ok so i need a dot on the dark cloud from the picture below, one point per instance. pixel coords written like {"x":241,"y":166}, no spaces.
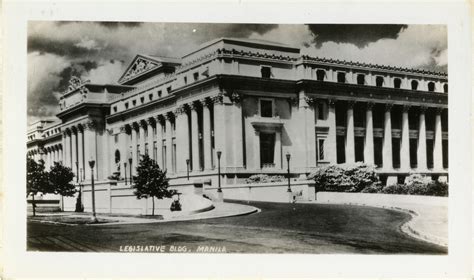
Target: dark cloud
{"x":76,"y":69}
{"x":109,"y":24}
{"x":61,"y":48}
{"x":209,"y":31}
{"x":357,"y":34}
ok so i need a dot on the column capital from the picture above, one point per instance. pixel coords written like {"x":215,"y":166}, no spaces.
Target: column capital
{"x":388,"y":107}
{"x":406,"y":108}
{"x":170,"y":116}
{"x":90,"y":125}
{"x":332,"y":102}
{"x":135,"y":126}
{"x":311,"y":101}
{"x":151,"y":121}
{"x":206,"y":102}
{"x":182,"y":109}
{"x":350,"y":104}
{"x":439,"y":110}
{"x":370,"y":105}
{"x":143,"y":124}
{"x":218,"y":99}
{"x":235,"y":97}
{"x":195,"y":105}
{"x":293,"y":101}
{"x":160,"y":119}
{"x":122,"y":129}
{"x":423,"y":109}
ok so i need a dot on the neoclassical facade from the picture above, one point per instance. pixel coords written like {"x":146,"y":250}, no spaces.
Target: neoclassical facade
{"x":255,"y":102}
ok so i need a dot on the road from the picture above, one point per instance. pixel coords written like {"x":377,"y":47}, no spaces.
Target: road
{"x":279,"y":228}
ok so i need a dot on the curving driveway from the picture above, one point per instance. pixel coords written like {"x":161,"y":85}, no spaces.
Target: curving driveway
{"x":278,"y":228}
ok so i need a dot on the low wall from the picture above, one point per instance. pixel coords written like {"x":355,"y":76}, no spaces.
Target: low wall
{"x":377,"y":199}
{"x":120,"y":198}
{"x":272,"y":192}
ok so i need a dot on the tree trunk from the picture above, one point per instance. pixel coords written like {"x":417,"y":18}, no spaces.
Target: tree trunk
{"x":62,"y":203}
{"x":33,"y":205}
{"x":153,"y":206}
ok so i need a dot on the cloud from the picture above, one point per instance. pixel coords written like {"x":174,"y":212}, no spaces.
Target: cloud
{"x":88,"y":44}
{"x":414,"y":46}
{"x":293,"y":35}
{"x":107,"y":72}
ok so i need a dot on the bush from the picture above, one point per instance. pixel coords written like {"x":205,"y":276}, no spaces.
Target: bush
{"x":374,"y":188}
{"x":345,"y":178}
{"x":417,"y":184}
{"x":264,"y":178}
{"x":395,"y":189}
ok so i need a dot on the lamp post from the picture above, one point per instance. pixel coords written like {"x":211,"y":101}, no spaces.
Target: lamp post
{"x":125,"y":170}
{"x":130,"y":164}
{"x":77,"y":172}
{"x":219,"y":189}
{"x":290,"y":195}
{"x":187,"y":167}
{"x":91,"y":164}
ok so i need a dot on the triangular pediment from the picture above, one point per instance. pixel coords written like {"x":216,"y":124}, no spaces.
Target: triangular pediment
{"x":139,"y":66}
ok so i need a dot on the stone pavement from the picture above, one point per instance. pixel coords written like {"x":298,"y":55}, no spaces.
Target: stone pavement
{"x":220,"y":210}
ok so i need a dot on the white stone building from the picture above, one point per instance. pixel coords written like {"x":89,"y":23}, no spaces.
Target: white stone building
{"x":256,"y":102}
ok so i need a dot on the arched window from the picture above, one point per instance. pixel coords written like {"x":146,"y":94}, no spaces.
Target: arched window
{"x":341,"y":77}
{"x":431,"y":86}
{"x":361,"y":79}
{"x":414,"y":85}
{"x":379,"y":81}
{"x":320,"y":74}
{"x":397,"y":83}
{"x":445,"y":88}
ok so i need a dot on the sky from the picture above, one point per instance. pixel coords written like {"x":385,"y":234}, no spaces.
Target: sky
{"x":100,"y":51}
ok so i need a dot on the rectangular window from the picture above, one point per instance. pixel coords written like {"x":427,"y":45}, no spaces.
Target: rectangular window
{"x":378,"y":148}
{"x":185,"y":79}
{"x":159,"y":93}
{"x":341,"y":148}
{"x":163,"y":155}
{"x":266,"y":71}
{"x":321,"y":149}
{"x":266,"y":108}
{"x":168,"y":89}
{"x":359,"y":148}
{"x":134,"y":102}
{"x":267,"y":149}
{"x":142,"y":99}
{"x":126,"y":105}
{"x":196,"y":76}
{"x":396,"y":152}
{"x":150,"y":96}
{"x":115,"y":109}
{"x":321,"y":115}
{"x":413,"y":152}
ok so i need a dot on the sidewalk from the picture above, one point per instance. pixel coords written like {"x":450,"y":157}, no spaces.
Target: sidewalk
{"x":220,"y":210}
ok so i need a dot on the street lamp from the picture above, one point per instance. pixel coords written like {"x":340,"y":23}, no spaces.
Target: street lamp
{"x":92,"y":164}
{"x":219,"y":189}
{"x":290,"y":195}
{"x":130,"y":164}
{"x":125,"y":170}
{"x":187,"y":167}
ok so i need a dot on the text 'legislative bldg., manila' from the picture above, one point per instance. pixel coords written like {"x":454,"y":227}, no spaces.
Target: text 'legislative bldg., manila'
{"x":255,"y":102}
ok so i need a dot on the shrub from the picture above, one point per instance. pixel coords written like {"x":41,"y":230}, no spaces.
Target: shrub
{"x":374,"y":188}
{"x":345,"y":177}
{"x":264,"y":178}
{"x":395,"y":189}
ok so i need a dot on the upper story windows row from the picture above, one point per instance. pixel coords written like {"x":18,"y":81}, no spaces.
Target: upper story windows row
{"x":383,"y":81}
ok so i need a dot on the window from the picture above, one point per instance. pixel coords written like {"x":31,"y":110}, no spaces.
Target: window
{"x":185,"y":79}
{"x":126,"y":105}
{"x":266,"y":71}
{"x":142,"y":99}
{"x":116,"y":138}
{"x":321,"y":113}
{"x":134,"y":102}
{"x":163,"y":155}
{"x":115,"y":109}
{"x":414,"y":85}
{"x":361,"y":79}
{"x":321,"y":149}
{"x":445,"y":88}
{"x":397,"y":83}
{"x":341,"y":77}
{"x":168,"y":89}
{"x":267,"y":148}
{"x":266,"y":108}
{"x":379,"y":81}
{"x":431,"y":86}
{"x":150,"y":96}
{"x":196,"y":76}
{"x":159,"y":93}
{"x":320,"y":74}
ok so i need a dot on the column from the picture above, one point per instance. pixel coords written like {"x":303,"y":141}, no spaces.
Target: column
{"x":80,"y":149}
{"x":141,"y":130}
{"x":206,"y":134}
{"x":182,"y":139}
{"x":277,"y":153}
{"x":169,"y":143}
{"x":195,"y":138}
{"x":438,"y":143}
{"x":405,"y":141}
{"x":159,"y":141}
{"x":256,"y":149}
{"x":350,"y":140}
{"x":135,"y":128}
{"x":387,"y":162}
{"x":74,"y":150}
{"x":331,"y":152}
{"x":237,"y":133}
{"x":151,"y":136}
{"x":90,"y":147}
{"x":369,"y":135}
{"x":219,"y":131}
{"x":67,"y":149}
{"x":421,"y":151}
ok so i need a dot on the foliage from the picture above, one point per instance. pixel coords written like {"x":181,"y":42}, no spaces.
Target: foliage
{"x":344,"y":177}
{"x":151,"y":181}
{"x":115,"y":176}
{"x":36,"y":179}
{"x":264,"y":178}
{"x":60,"y":178}
{"x":415,"y":184}
{"x":374,"y":188}
{"x":395,"y":189}
{"x":175,"y":206}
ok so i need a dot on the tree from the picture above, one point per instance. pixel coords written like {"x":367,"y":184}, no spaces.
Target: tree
{"x":36,"y":180}
{"x":60,"y":178}
{"x":151,"y":181}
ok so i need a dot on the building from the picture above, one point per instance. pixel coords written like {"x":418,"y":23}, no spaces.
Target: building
{"x":255,"y":101}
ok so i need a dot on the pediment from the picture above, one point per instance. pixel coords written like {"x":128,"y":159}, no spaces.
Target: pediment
{"x":139,"y":66}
